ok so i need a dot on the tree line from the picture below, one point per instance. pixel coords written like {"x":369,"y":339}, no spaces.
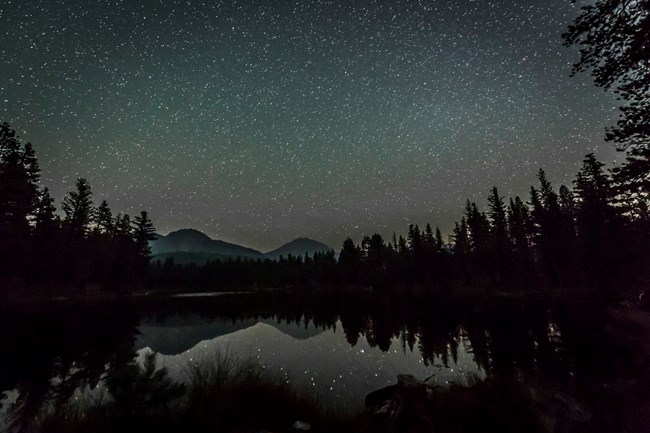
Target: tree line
{"x":595,"y":233}
{"x":592,"y":235}
{"x":589,"y":235}
{"x":85,"y":245}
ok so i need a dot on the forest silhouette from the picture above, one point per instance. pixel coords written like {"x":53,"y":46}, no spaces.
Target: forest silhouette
{"x":592,"y":235}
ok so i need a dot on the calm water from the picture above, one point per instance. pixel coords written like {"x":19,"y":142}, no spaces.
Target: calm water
{"x":317,"y":359}
{"x":577,"y":353}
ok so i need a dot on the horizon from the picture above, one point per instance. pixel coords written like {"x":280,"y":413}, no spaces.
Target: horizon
{"x":247,"y":246}
{"x":255,"y":121}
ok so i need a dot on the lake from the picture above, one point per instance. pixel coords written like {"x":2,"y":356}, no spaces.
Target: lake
{"x":581,"y":360}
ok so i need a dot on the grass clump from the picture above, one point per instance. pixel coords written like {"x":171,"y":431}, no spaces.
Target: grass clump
{"x":221,"y":394}
{"x":228,"y":394}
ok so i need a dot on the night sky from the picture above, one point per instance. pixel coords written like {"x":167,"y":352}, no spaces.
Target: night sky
{"x":261,"y":121}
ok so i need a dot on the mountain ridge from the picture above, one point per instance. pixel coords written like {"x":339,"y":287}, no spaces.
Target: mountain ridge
{"x":191,"y":244}
{"x":298,"y":247}
{"x":194,"y":241}
{"x":177,"y":335}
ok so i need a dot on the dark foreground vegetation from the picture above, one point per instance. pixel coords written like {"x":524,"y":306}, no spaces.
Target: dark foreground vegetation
{"x":225,"y":395}
{"x":238,"y":397}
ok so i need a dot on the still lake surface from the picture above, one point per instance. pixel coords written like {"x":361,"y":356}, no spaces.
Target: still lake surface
{"x":576,"y":355}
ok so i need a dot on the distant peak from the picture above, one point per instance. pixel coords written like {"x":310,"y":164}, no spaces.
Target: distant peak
{"x":299,"y":246}
{"x":193,"y":241}
{"x":301,"y":239}
{"x":188,"y":230}
{"x":189,"y":233}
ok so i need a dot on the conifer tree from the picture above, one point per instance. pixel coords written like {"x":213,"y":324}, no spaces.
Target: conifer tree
{"x":566,"y":201}
{"x":437,"y":241}
{"x":520,"y":232}
{"x":45,"y":221}
{"x":122,"y":227}
{"x":143,"y":232}
{"x":43,"y":264}
{"x":78,"y":208}
{"x":613,"y":39}
{"x":461,"y":249}
{"x":501,"y":247}
{"x":548,"y":196}
{"x":31,"y":165}
{"x":593,"y":188}
{"x":104,"y":219}
{"x":632,"y":186}
{"x":375,"y":256}
{"x":18,"y":199}
{"x":479,"y":229}
{"x":542,"y":235}
{"x":349,"y":262}
{"x":519,"y":224}
{"x":18,"y":190}
{"x":427,"y":236}
{"x":402,"y":246}
{"x":596,"y":219}
{"x":498,"y":218}
{"x":415,"y":240}
{"x":555,"y":235}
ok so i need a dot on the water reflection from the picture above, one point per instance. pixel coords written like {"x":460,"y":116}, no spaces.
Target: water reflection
{"x":50,"y":352}
{"x":339,"y":349}
{"x":316,"y":359}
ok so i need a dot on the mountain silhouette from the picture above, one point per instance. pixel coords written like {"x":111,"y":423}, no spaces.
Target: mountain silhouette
{"x":177,"y":334}
{"x":193,"y":241}
{"x":298,"y":247}
{"x":193,"y":246}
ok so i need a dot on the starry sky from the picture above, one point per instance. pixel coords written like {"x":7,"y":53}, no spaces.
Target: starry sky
{"x":260,"y":121}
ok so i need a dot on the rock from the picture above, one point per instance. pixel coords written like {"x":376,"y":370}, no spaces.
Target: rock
{"x":301,"y":426}
{"x":401,"y":408}
{"x":412,"y":404}
{"x":378,"y":398}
